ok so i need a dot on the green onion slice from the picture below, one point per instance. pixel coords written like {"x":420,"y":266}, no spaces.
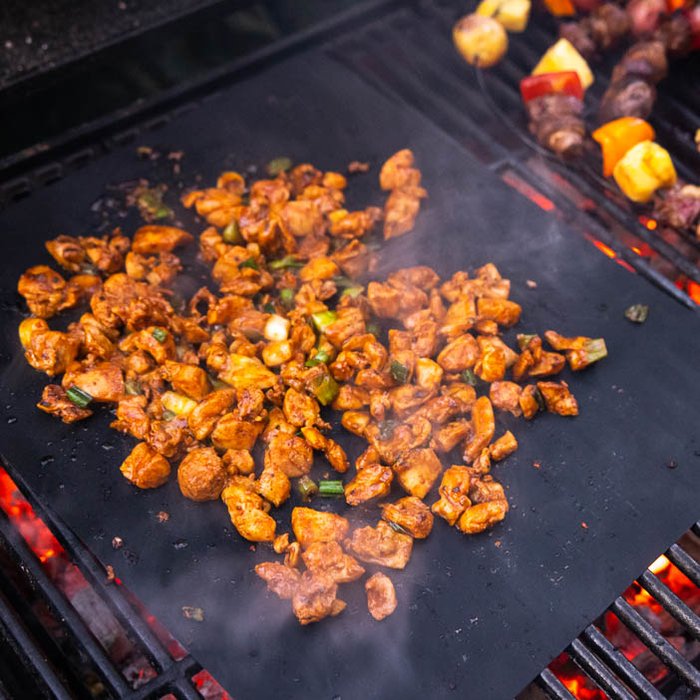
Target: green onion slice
{"x":637,"y":313}
{"x":250,"y":262}
{"x":469,"y":377}
{"x":78,"y":396}
{"x":323,"y":319}
{"x":331,"y":489}
{"x":399,"y":372}
{"x":160,"y":335}
{"x":232,"y":233}
{"x":307,"y":487}
{"x":279,"y":165}
{"x":318,"y":358}
{"x":284,"y":263}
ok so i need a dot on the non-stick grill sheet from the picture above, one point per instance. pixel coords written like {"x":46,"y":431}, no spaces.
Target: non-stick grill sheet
{"x":594,"y":499}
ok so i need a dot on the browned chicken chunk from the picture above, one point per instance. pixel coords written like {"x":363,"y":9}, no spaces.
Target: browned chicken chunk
{"x":328,"y":558}
{"x":315,"y":598}
{"x":454,"y":493}
{"x":374,"y":481}
{"x":411,"y":514}
{"x":145,"y":468}
{"x":281,"y":580}
{"x":311,"y":525}
{"x":381,"y":596}
{"x":382,"y":545}
{"x":201,"y":475}
{"x":417,"y":470}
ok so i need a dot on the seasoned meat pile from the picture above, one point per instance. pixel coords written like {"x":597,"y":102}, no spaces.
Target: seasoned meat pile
{"x":232,"y":391}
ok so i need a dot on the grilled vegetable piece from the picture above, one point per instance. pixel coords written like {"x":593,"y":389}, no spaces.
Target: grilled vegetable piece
{"x":311,"y":525}
{"x":480,"y":40}
{"x":381,"y":545}
{"x":512,"y":14}
{"x":411,"y":514}
{"x":563,"y":83}
{"x":580,"y":351}
{"x":560,"y":8}
{"x":145,"y":468}
{"x":562,"y":56}
{"x":617,"y":137}
{"x":381,"y":596}
{"x":644,"y":169}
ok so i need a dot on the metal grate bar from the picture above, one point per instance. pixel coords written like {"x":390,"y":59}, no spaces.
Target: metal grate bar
{"x":684,"y":562}
{"x":671,"y":602}
{"x":597,"y":670}
{"x":656,"y":643}
{"x":16,"y":545}
{"x":597,"y":642}
{"x":24,"y":644}
{"x":553,"y":686}
{"x":171,"y":679}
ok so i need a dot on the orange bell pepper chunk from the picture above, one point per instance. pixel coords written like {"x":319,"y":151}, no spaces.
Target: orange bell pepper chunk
{"x":560,"y":8}
{"x":617,"y":137}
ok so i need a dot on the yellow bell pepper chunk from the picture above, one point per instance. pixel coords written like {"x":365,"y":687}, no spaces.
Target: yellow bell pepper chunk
{"x":512,"y":14}
{"x":562,"y":57}
{"x":643,"y":169}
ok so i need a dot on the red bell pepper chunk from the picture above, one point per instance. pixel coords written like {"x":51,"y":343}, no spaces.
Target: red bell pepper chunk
{"x":564,"y":83}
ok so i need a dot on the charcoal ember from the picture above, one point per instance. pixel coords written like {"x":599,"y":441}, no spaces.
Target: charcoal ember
{"x":679,"y":206}
{"x":629,"y":97}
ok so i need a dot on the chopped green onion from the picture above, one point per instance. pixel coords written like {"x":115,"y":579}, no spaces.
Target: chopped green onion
{"x":192,"y":613}
{"x":168,"y":415}
{"x":250,"y":262}
{"x":160,"y":335}
{"x":278,"y":165}
{"x":284,"y":263}
{"x":374,"y":328}
{"x":151,"y":204}
{"x":323,"y":319}
{"x":343,"y":282}
{"x":524,"y":340}
{"x":318,"y":358}
{"x":595,"y":350}
{"x":637,"y":313}
{"x":307,"y":487}
{"x":232,"y":233}
{"x":132,"y":387}
{"x":78,"y":396}
{"x":399,"y":372}
{"x":386,"y":429}
{"x":469,"y":377}
{"x":330,"y":488}
{"x":269,"y":308}
{"x":540,"y":400}
{"x":287,"y":297}
{"x":353,"y":292}
{"x":397,"y":528}
{"x":325,"y":389}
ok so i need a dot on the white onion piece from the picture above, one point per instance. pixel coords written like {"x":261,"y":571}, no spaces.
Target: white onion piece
{"x":276,"y":328}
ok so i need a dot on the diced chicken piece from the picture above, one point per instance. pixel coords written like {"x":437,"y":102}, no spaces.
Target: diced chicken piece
{"x":450,"y":435}
{"x":55,"y":401}
{"x":381,"y":596}
{"x":503,"y":312}
{"x":351,"y":398}
{"x":167,"y":438}
{"x":187,"y":379}
{"x":238,"y":462}
{"x":300,"y":409}
{"x":328,"y":558}
{"x":349,"y":323}
{"x":504,"y":446}
{"x":382,"y":545}
{"x":208,"y":411}
{"x":398,"y":171}
{"x":419,"y":276}
{"x":246,"y":509}
{"x":274,"y":485}
{"x":464,"y":394}
{"x":417,"y":471}
{"x":428,"y":374}
{"x":580,"y":351}
{"x":321,"y":268}
{"x":289,"y":454}
{"x":460,"y":354}
{"x":281,"y":580}
{"x":528,"y":401}
{"x":506,"y":397}
{"x":482,"y":516}
{"x":67,"y":252}
{"x":438,"y":410}
{"x":401,"y":210}
{"x":335,"y":454}
{"x":232,"y":433}
{"x":356,"y":421}
{"x":302,"y":218}
{"x":485,"y":489}
{"x":484,"y":426}
{"x":353,"y":259}
{"x":161,"y":350}
{"x":374,"y":481}
{"x":145,"y":468}
{"x":243,"y":372}
{"x":105,"y":382}
{"x":52,"y":352}
{"x":491,"y":365}
{"x":250,"y":403}
{"x":201,"y":475}
{"x":159,"y":239}
{"x":311,"y":525}
{"x":368,"y":457}
{"x":132,"y":418}
{"x":43,"y":289}
{"x":454,"y":493}
{"x":384,"y":299}
{"x":459,"y":318}
{"x":315,"y":598}
{"x":482,"y":463}
{"x":411,"y":514}
{"x":355,"y":224}
{"x":558,"y":398}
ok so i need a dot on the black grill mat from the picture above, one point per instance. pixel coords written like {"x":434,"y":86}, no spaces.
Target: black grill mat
{"x":475,"y":619}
